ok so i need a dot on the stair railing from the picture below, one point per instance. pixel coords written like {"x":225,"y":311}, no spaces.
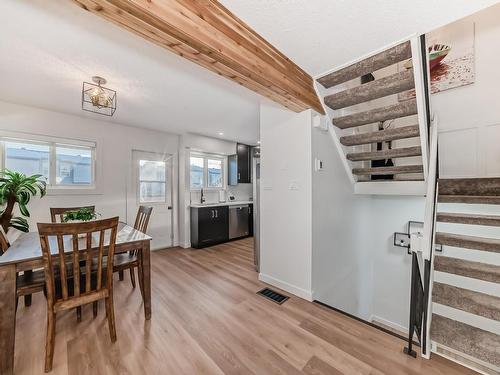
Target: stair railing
{"x":422,"y":249}
{"x":429,"y":236}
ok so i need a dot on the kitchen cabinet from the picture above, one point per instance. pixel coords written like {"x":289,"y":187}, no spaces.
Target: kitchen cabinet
{"x":216,"y":224}
{"x":240,"y":165}
{"x":209,"y":225}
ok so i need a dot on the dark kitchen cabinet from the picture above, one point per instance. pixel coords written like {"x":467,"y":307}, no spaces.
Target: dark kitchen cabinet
{"x":244,"y":167}
{"x":209,"y":225}
{"x":240,"y":165}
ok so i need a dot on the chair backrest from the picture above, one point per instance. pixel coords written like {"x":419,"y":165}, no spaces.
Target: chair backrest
{"x":66,"y":254}
{"x":4,"y":242}
{"x":58,"y":212}
{"x":142,"y":218}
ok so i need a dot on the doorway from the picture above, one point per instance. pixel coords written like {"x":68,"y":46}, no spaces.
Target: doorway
{"x":151,"y":184}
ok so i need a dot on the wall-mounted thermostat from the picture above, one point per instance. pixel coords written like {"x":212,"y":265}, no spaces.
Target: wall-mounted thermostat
{"x":318,"y":165}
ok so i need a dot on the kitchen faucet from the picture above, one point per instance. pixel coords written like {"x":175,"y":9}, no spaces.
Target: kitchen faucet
{"x":202,"y":198}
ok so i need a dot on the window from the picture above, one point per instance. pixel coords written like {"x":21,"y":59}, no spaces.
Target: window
{"x":206,"y":171}
{"x":62,"y":164}
{"x":152,"y":181}
{"x":214,"y":169}
{"x":73,"y":165}
{"x":27,"y":158}
{"x":197,"y":172}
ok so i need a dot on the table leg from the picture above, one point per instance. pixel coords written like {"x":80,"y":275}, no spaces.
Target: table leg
{"x":146,"y":274}
{"x":7,"y":318}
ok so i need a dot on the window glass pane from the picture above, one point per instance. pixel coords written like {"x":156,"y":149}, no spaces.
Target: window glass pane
{"x":196,"y":173}
{"x":152,"y":181}
{"x":152,"y":192}
{"x":151,"y":170}
{"x":27,"y":158}
{"x":214,"y":172}
{"x":73,"y":166}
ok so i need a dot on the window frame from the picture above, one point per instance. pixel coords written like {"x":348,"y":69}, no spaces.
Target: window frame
{"x":206,"y":157}
{"x":53,"y":142}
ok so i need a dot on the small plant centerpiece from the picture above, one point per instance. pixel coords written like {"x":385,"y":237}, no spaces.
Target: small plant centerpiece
{"x":17,"y":188}
{"x":80,"y":215}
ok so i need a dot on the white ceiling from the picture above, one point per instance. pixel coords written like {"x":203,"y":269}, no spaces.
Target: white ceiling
{"x":48,"y":48}
{"x":320,"y":35}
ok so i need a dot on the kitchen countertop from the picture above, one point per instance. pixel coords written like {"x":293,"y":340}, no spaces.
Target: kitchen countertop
{"x":228,"y":203}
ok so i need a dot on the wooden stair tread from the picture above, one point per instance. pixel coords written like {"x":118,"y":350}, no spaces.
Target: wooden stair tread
{"x":466,"y":339}
{"x":489,"y":186}
{"x":467,"y":268}
{"x":469,"y":199}
{"x":369,"y":65}
{"x":467,"y":300}
{"x":388,"y":170}
{"x":474,"y":219}
{"x":385,"y":154}
{"x":390,"y":112}
{"x":390,"y":85}
{"x":410,"y":131}
{"x":468,"y":242}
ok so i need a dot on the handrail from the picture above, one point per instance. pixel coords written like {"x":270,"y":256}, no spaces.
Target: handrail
{"x":430,"y":202}
{"x":421,"y":284}
{"x":429,"y":238}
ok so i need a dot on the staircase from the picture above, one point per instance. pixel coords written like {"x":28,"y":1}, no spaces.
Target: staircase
{"x":381,"y":138}
{"x":466,"y":289}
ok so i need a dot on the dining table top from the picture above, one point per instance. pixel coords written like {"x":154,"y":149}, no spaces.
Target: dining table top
{"x":27,"y":246}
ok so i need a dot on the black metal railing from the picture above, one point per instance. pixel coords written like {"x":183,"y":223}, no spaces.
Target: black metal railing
{"x":416,"y":306}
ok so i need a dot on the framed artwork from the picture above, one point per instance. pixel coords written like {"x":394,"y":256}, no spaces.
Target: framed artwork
{"x":451,"y":57}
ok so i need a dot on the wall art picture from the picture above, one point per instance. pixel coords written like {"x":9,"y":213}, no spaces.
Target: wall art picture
{"x":451,"y":57}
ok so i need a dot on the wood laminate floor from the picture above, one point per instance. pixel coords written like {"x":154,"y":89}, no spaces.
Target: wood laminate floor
{"x":207,"y":319}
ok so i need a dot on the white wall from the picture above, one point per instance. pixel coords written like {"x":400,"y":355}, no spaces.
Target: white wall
{"x":469,"y":116}
{"x":114,"y":155}
{"x":356,"y":268}
{"x":342,"y":257}
{"x":285,"y":199}
{"x":194,"y":142}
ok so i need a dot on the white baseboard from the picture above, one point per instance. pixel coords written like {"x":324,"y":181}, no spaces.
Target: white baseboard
{"x":295,"y":290}
{"x":385,"y":322}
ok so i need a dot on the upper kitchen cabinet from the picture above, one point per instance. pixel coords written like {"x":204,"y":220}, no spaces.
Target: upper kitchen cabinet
{"x":240,"y":167}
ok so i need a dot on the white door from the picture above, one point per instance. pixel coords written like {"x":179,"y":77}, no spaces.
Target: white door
{"x":151,"y":185}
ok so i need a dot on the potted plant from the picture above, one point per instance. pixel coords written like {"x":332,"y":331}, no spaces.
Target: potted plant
{"x":18,"y":188}
{"x":80,"y":215}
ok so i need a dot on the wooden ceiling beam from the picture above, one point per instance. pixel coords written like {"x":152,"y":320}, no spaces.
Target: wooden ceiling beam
{"x":209,"y":35}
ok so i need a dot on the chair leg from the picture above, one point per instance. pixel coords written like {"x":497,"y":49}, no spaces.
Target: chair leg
{"x":132,"y":277}
{"x":50,"y":341}
{"x":27,"y":300}
{"x":95,"y":308}
{"x":79,"y":314}
{"x":120,"y":275}
{"x":141,"y":279}
{"x":110,"y":310}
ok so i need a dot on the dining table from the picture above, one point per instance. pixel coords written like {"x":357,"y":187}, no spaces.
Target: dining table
{"x":26,"y":254}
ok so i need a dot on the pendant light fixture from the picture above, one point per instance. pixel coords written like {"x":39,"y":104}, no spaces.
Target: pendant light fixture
{"x":98,"y":99}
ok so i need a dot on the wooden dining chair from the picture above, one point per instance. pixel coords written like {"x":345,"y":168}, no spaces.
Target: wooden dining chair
{"x":28,"y":282}
{"x":133,"y":258}
{"x":57,"y":213}
{"x":68,"y":283}
{"x":57,"y":216}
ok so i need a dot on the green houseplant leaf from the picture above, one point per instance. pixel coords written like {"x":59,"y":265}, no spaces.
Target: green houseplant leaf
{"x":17,"y":188}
